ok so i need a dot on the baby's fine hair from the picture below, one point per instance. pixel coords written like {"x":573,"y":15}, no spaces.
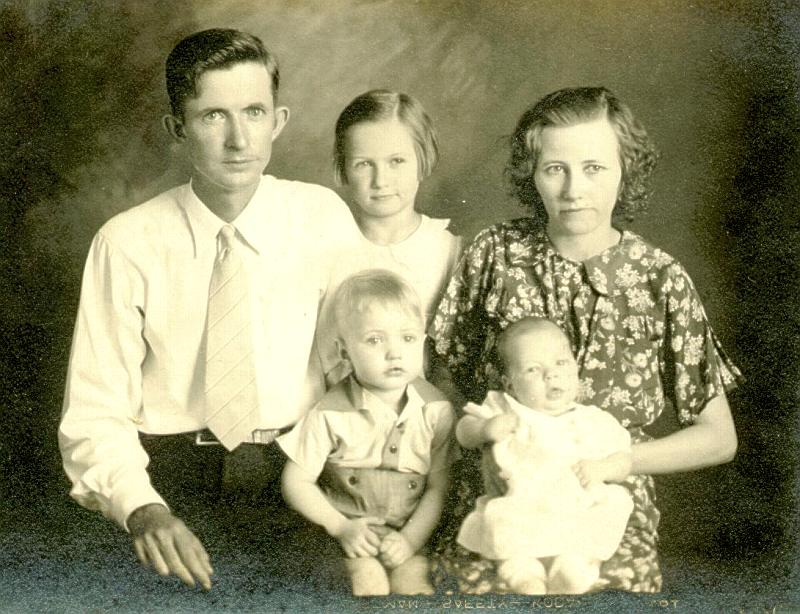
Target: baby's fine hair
{"x":208,"y":50}
{"x":567,"y":107}
{"x":378,"y":105}
{"x":529,"y":324}
{"x":362,"y":290}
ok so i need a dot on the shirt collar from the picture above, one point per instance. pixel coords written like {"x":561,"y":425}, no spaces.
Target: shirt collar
{"x":252,"y":223}
{"x":364,"y":400}
{"x":609,"y":273}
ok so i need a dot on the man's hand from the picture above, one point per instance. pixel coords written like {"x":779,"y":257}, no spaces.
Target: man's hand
{"x":356,"y":537}
{"x":395,"y":549}
{"x":498,"y":428}
{"x":165,"y":542}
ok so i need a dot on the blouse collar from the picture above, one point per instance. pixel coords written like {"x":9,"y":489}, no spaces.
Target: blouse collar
{"x":609,"y":273}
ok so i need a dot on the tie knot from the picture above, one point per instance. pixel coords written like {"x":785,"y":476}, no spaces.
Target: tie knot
{"x":226,"y":235}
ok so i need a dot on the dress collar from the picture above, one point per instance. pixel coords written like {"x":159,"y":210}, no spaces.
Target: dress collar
{"x":609,"y":273}
{"x":252,"y":223}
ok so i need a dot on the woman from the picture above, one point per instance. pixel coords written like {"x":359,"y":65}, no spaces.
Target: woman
{"x":580,"y":162}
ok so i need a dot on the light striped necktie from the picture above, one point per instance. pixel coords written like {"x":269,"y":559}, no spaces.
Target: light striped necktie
{"x":230,"y":385}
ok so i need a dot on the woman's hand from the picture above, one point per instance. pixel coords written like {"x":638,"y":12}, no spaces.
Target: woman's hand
{"x":395,"y":550}
{"x":356,"y":536}
{"x":498,"y":428}
{"x":613,"y":468}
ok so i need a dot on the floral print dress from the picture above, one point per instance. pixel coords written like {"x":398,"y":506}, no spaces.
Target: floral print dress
{"x":639,"y":332}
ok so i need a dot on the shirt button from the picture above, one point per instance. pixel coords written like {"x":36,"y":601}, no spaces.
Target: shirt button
{"x":392,"y":448}
{"x":352,"y":480}
{"x":412,"y":484}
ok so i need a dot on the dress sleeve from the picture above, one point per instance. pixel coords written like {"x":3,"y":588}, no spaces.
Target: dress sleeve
{"x":696,"y":368}
{"x":98,"y":434}
{"x":460,"y":326}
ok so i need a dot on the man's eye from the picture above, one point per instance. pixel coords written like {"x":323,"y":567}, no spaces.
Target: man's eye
{"x":214,"y":116}
{"x":256,"y":112}
{"x":409,"y":338}
{"x":374,"y":340}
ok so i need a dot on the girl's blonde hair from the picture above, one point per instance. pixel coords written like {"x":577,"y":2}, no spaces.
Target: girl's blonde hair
{"x":378,"y":105}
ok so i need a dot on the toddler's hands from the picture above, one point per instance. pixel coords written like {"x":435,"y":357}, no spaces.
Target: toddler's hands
{"x":395,"y":549}
{"x":357,"y":538}
{"x":500,"y":427}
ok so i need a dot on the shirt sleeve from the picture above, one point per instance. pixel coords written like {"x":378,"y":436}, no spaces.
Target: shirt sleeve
{"x":460,"y":329}
{"x":309,"y":443}
{"x":98,"y":435}
{"x":696,"y":368}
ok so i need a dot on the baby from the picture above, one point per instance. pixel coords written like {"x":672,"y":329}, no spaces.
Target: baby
{"x":369,"y":462}
{"x":548,"y":516}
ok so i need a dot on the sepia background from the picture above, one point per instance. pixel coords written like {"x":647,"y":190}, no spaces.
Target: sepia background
{"x":714,"y":82}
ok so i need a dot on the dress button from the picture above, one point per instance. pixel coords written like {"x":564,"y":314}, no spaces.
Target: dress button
{"x":392,"y":448}
{"x":352,"y":480}
{"x":412,"y":484}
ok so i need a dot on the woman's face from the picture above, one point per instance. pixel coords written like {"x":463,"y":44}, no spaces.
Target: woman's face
{"x":578,"y":176}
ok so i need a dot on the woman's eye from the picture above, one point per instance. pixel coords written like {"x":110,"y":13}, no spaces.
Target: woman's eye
{"x":373,"y":340}
{"x":409,"y":338}
{"x":398,"y":161}
{"x":554,"y":169}
{"x":362,"y":164}
{"x":593,"y":169}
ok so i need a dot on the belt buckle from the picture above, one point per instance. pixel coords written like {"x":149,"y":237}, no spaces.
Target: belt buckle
{"x":264,"y":436}
{"x":206,"y":438}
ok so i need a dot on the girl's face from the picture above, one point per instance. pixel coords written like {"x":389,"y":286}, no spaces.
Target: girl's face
{"x":578,"y":175}
{"x":381,"y":168}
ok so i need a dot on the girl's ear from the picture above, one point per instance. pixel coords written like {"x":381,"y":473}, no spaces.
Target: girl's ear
{"x":341,"y":350}
{"x":174,"y":127}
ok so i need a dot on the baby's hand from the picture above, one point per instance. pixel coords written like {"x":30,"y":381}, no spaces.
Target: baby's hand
{"x":395,"y":549}
{"x":357,"y":538}
{"x":613,"y":468}
{"x":498,"y":428}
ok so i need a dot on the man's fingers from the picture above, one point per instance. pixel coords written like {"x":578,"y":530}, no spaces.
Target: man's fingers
{"x":175,"y":562}
{"x":141,"y":553}
{"x":196,"y":561}
{"x":153,"y":551}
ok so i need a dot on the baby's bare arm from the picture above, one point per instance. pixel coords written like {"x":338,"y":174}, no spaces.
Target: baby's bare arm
{"x":473,"y":431}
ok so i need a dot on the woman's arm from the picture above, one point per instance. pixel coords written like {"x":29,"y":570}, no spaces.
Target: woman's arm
{"x":711,"y":440}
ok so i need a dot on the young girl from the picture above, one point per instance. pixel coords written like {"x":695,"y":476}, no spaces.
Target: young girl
{"x":369,"y":462}
{"x":580,"y":165}
{"x":385,"y":145}
{"x":551,"y":512}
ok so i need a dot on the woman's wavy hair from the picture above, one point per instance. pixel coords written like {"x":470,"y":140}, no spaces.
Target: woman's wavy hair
{"x":567,"y":107}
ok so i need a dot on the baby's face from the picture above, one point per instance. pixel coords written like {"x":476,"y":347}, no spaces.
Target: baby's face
{"x":384,"y":345}
{"x":541,"y":372}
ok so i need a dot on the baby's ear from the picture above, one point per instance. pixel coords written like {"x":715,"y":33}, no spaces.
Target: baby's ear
{"x":507,"y":387}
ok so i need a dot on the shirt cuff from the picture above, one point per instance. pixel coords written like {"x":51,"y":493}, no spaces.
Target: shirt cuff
{"x":131,"y":499}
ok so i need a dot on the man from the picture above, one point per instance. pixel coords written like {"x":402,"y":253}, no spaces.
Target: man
{"x":198,"y":307}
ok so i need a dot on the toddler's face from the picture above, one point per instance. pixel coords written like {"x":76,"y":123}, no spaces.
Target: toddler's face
{"x":381,"y":168}
{"x":541,"y":372}
{"x":384,"y":345}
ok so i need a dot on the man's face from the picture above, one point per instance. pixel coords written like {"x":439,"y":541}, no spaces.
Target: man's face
{"x":228,"y":128}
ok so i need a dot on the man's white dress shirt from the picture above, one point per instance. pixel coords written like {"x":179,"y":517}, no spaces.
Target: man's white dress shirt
{"x":138,"y":350}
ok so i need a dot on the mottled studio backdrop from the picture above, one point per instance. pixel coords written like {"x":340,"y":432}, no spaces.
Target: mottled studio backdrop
{"x":715,"y":83}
